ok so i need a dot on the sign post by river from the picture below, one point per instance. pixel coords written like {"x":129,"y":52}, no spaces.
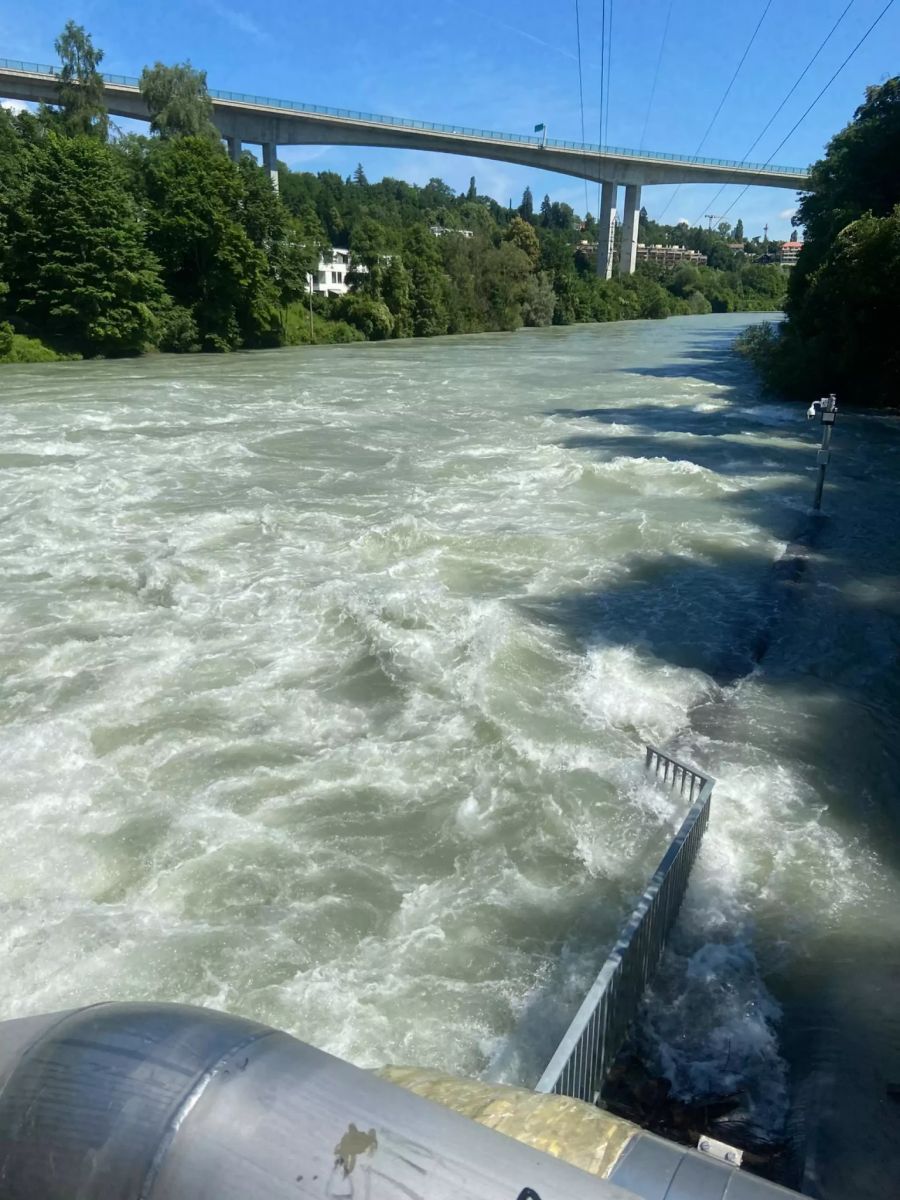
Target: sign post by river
{"x":827,"y":407}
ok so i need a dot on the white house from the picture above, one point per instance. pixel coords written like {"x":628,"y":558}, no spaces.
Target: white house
{"x":331,"y":274}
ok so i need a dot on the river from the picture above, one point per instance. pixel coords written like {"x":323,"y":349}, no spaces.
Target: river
{"x":326,"y":674}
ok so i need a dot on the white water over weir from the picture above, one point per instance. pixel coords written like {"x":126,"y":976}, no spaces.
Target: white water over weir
{"x":326,"y":675}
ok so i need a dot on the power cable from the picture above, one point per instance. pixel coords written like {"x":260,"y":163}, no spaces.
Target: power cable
{"x":787,"y":97}
{"x":662,"y":46}
{"x":727,"y":92}
{"x":602,"y":86}
{"x":809,"y":109}
{"x":581,"y":102}
{"x":609,"y":40}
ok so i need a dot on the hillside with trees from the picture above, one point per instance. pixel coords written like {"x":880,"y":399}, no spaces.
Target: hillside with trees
{"x":843,"y":306}
{"x":115,"y":244}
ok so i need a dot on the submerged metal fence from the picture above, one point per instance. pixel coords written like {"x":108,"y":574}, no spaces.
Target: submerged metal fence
{"x":598,"y":1029}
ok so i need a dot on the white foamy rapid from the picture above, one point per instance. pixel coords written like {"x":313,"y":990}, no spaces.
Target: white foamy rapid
{"x":326,"y":675}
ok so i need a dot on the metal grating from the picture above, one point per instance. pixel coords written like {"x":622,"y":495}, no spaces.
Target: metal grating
{"x":598,"y":1030}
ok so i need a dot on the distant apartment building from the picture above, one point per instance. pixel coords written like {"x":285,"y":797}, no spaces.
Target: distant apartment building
{"x":670,"y":256}
{"x":788,"y":253}
{"x":441,"y":230}
{"x":330,"y":277}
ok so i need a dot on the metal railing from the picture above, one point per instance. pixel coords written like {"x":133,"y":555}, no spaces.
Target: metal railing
{"x":595,"y":1036}
{"x":348,"y":114}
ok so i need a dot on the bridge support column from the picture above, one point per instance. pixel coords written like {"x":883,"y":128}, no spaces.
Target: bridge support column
{"x":270,"y":162}
{"x":234,"y":148}
{"x":606,"y":228}
{"x":628,"y":251}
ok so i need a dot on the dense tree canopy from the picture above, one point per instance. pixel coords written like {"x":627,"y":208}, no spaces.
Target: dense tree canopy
{"x":178,"y":101}
{"x":843,"y":301}
{"x":78,"y":266}
{"x":82,"y":107}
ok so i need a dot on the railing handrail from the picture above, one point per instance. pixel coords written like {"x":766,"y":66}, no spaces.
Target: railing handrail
{"x":528,"y":139}
{"x":595,"y":1035}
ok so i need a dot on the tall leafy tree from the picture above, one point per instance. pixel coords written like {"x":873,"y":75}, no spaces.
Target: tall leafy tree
{"x":211,"y":266}
{"x":79,"y":269}
{"x":523,"y":235}
{"x":178,"y":101}
{"x":82,"y":103}
{"x":841,"y":305}
{"x":526,"y":208}
{"x":739,"y":230}
{"x":430,"y":315}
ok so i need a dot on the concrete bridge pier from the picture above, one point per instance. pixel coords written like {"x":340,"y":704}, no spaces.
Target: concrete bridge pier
{"x":606,"y":229}
{"x":270,"y":162}
{"x":628,"y":249}
{"x":234,"y":148}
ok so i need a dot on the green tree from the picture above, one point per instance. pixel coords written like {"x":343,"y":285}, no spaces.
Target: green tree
{"x":526,"y":208}
{"x":178,"y":101}
{"x":739,"y":230}
{"x":841,"y":302}
{"x":359,"y":176}
{"x":428,"y":284}
{"x":502,"y":286}
{"x":472,"y":193}
{"x":82,"y":103}
{"x":538,"y":300}
{"x":211,"y":266}
{"x":523,"y":235}
{"x":397,"y":295}
{"x":80,"y":272}
{"x":12,"y":165}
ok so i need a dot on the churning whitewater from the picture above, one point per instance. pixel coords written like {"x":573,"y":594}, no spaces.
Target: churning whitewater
{"x":327,"y":673}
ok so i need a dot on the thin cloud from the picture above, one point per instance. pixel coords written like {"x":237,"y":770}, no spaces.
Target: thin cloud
{"x":787,"y":213}
{"x":14,"y":106}
{"x":531,"y":37}
{"x":238,"y":20}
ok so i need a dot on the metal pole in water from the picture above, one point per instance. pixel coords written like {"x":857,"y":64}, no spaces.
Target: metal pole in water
{"x":827,"y":408}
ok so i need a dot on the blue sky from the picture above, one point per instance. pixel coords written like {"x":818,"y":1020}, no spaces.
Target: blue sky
{"x":507,"y":64}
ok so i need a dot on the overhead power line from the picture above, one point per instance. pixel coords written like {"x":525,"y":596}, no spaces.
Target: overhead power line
{"x":725,"y":95}
{"x":813,"y":104}
{"x":609,"y":40}
{"x":602,"y":88}
{"x":659,"y":57}
{"x":581,"y":99}
{"x":787,"y":97}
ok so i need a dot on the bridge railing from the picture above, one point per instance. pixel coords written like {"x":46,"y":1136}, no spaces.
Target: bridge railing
{"x":348,"y":114}
{"x":595,"y":1036}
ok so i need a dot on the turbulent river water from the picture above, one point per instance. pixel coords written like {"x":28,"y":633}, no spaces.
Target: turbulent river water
{"x":326,"y":675}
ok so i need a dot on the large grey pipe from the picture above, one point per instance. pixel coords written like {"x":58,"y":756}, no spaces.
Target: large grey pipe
{"x":168,"y":1102}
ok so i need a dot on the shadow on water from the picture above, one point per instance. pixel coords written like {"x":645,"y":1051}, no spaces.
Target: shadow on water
{"x":819,"y":627}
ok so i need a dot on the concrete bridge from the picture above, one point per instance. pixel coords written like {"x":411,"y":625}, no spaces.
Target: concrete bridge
{"x":262,"y":121}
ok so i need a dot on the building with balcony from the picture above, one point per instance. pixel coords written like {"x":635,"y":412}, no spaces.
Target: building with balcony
{"x":670,"y":256}
{"x":788,"y":253}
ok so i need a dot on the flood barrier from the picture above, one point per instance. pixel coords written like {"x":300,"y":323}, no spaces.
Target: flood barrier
{"x":595,"y":1036}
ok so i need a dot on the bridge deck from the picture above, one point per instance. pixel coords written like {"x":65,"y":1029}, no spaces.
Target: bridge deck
{"x":257,"y":119}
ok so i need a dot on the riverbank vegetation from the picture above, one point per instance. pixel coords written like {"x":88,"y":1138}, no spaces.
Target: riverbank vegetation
{"x":114,"y":244}
{"x":843,"y":305}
